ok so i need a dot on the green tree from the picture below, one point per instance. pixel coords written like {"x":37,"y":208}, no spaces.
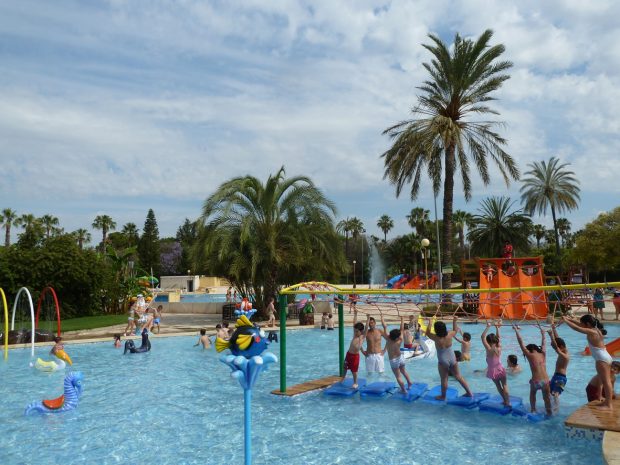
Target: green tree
{"x":106,"y":224}
{"x":260,"y":235}
{"x":131,"y":232}
{"x":549,"y":185}
{"x":149,"y":252}
{"x":496,"y":223}
{"x":596,"y":246}
{"x":385,"y":224}
{"x":48,"y":222}
{"x":462,"y":220}
{"x":418,"y":219}
{"x":564,"y":229}
{"x":444,"y":134}
{"x":8,"y":218}
{"x":82,"y":236}
{"x":187,"y":234}
{"x":344,"y":227}
{"x":539,"y":232}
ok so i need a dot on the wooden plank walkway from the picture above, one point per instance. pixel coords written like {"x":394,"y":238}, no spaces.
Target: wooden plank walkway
{"x":591,"y":417}
{"x":307,"y":386}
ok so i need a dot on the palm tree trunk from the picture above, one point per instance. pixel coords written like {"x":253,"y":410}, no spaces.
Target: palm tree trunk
{"x":448,"y":200}
{"x":7,"y":235}
{"x":555,"y":232}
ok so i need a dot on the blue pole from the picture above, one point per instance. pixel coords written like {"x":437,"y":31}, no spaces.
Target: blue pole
{"x":247,"y":422}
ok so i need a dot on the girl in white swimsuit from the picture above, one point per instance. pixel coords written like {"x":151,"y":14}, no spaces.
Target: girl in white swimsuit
{"x":594,"y":331}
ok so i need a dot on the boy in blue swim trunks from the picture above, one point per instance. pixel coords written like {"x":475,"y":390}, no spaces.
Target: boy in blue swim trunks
{"x":558,"y":380}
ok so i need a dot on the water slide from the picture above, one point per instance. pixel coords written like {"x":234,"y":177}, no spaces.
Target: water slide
{"x":613,"y":348}
{"x":524,"y":272}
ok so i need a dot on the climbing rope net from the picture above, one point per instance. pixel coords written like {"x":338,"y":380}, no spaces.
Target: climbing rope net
{"x":533,"y":303}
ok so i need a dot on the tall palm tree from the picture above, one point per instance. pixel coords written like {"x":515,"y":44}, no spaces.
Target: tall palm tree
{"x":496,"y":223}
{"x":444,"y":131}
{"x":105,"y":223}
{"x":9,"y":218}
{"x":130,"y":230}
{"x":385,"y":224}
{"x":550,"y":185}
{"x":563,"y":229}
{"x":418,"y":219}
{"x":462,"y":219}
{"x":539,"y":233}
{"x":258,"y":235}
{"x":344,"y":227}
{"x":82,"y":236}
{"x":48,"y":222}
{"x":26,"y":221}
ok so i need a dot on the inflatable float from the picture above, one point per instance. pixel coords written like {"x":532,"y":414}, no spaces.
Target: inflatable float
{"x":68,"y":401}
{"x":427,"y":350}
{"x":50,"y":366}
{"x":145,"y":347}
{"x":344,"y":388}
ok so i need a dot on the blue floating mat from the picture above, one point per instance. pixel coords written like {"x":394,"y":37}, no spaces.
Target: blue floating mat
{"x":495,"y":404}
{"x":524,"y":411}
{"x":377,"y":389}
{"x":413,"y":393}
{"x":469,"y":402}
{"x":429,"y":397}
{"x":344,"y":388}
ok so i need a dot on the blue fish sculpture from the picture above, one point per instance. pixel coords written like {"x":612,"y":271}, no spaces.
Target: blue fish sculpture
{"x":247,"y":341}
{"x":68,"y":401}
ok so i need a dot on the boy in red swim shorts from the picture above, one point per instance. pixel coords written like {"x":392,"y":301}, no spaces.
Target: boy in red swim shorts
{"x":352,"y":359}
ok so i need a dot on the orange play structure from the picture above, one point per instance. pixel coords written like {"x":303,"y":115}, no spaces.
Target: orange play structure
{"x":613,"y":348}
{"x":499,"y":273}
{"x":416,"y":283}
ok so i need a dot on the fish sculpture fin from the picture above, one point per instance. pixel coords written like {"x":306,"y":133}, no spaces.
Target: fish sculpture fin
{"x":244,"y":341}
{"x":62,"y":355}
{"x":243,"y":321}
{"x":221,"y":344}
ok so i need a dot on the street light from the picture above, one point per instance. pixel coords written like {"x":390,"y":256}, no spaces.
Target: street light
{"x":354,"y":262}
{"x":425,"y":243}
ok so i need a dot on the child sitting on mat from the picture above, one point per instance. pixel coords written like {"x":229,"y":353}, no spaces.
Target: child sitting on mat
{"x":594,"y":390}
{"x":397,"y":361}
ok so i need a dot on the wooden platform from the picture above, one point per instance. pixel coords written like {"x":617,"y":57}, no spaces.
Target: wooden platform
{"x":308,"y":386}
{"x":591,"y":417}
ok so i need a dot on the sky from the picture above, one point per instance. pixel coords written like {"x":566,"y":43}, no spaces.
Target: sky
{"x":114,"y":107}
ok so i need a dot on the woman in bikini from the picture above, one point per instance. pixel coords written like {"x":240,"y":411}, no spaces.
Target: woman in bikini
{"x":594,"y":331}
{"x":446,"y":359}
{"x":537,"y":357}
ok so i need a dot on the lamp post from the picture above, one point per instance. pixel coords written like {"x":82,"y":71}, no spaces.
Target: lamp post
{"x":354,"y":262}
{"x":425,"y":243}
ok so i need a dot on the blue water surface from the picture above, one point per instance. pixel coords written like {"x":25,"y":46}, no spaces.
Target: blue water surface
{"x":178,"y":405}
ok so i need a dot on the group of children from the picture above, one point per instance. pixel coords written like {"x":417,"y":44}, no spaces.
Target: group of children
{"x":600,"y":387}
{"x":146,"y":317}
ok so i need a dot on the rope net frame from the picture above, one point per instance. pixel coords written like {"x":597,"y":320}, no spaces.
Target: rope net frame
{"x":447,"y":303}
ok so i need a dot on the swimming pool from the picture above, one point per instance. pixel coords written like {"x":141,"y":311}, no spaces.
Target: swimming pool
{"x":177,"y":405}
{"x":194,"y":298}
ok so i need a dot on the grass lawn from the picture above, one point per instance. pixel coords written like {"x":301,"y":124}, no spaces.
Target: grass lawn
{"x":90,"y":322}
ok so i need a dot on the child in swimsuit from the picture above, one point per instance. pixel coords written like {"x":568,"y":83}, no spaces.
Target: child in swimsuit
{"x":495,"y":370}
{"x":117,"y":340}
{"x":536,"y":356}
{"x":407,"y":337}
{"x":157,"y":317}
{"x":352,"y":359}
{"x":324,"y":320}
{"x":513,"y":367}
{"x":203,"y":340}
{"x":397,"y":361}
{"x":558,"y":380}
{"x":594,"y":331}
{"x":465,"y":346}
{"x":445,"y":356}
{"x":594,"y":390}
{"x":330,"y":322}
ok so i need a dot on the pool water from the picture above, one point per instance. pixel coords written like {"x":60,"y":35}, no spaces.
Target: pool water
{"x":178,"y":405}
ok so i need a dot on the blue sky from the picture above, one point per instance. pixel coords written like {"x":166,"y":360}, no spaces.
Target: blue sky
{"x":119,"y":106}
